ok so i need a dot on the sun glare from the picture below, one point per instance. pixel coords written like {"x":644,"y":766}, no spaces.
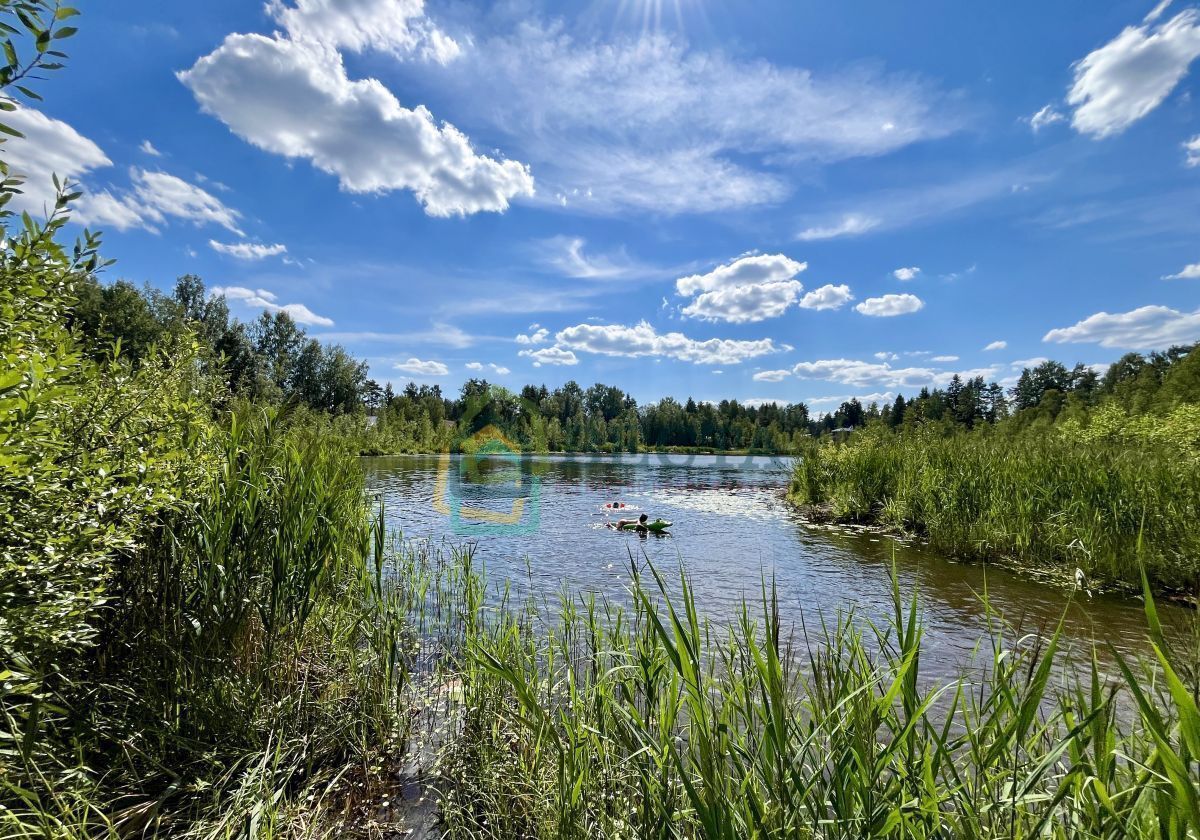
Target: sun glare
{"x":655,"y":15}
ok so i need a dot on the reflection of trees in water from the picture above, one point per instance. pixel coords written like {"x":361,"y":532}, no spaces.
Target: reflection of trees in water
{"x":817,"y":570}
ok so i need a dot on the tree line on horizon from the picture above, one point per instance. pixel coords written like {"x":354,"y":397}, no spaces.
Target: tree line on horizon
{"x":272,"y":359}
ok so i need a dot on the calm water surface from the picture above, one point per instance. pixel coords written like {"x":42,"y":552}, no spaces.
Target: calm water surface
{"x":731,"y":526}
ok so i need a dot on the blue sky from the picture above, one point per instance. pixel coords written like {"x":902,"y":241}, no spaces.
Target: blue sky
{"x":770,"y":201}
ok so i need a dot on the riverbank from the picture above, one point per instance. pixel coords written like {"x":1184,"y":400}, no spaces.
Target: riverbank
{"x":305,"y":674}
{"x":373,"y":452}
{"x":1045,"y":504}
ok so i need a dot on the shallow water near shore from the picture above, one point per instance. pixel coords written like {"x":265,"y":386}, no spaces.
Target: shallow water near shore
{"x":539,"y":524}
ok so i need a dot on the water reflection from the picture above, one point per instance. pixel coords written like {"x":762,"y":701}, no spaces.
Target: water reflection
{"x":731,"y":528}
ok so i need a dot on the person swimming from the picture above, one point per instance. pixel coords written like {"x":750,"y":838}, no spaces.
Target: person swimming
{"x":639,"y":523}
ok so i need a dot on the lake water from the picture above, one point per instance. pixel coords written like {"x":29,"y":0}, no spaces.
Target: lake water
{"x":539,"y":522}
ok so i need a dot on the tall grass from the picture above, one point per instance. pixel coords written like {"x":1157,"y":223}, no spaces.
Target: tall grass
{"x":650,"y":722}
{"x":1043,"y":500}
{"x":254,"y":644}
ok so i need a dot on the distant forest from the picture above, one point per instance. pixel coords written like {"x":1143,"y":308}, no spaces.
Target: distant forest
{"x":272,"y":359}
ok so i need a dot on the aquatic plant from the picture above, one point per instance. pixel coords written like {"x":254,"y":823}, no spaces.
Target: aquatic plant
{"x":1050,"y":499}
{"x":651,"y":722}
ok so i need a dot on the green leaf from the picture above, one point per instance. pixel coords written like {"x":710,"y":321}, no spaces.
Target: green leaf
{"x":65,"y":12}
{"x":65,"y":32}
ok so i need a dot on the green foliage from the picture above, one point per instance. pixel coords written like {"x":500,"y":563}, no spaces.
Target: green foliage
{"x":651,"y":722}
{"x":271,"y":360}
{"x":195,"y":617}
{"x":1081,"y":496}
{"x":602,"y":418}
{"x":1085,"y":469}
{"x":31,"y":34}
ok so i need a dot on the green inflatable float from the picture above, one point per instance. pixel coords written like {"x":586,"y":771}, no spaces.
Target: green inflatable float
{"x":656,"y":525}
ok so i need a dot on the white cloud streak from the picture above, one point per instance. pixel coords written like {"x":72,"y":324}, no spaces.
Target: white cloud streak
{"x":1127,"y":78}
{"x":566,"y":256}
{"x":642,"y":340}
{"x":850,"y":224}
{"x":249,"y":251}
{"x":1048,"y":115}
{"x":771,"y":375}
{"x":647,"y":122}
{"x":262,"y":299}
{"x":1144,"y":328}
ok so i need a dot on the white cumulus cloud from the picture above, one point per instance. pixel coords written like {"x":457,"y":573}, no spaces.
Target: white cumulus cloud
{"x":1191,"y":151}
{"x":148,"y":148}
{"x":751,"y":288}
{"x":474,"y":365}
{"x":399,"y":27}
{"x":536,"y":335}
{"x":889,"y":306}
{"x":865,"y":374}
{"x":995,"y":345}
{"x":943,"y":358}
{"x":1188,"y":272}
{"x":860,"y":374}
{"x":643,"y":340}
{"x":52,"y":147}
{"x":1127,"y":78}
{"x":262,"y":299}
{"x":290,"y":94}
{"x":827,"y":297}
{"x":850,"y":224}
{"x":417,"y":367}
{"x":247,"y":250}
{"x":906,"y":273}
{"x":1145,"y":328}
{"x":550,"y":356}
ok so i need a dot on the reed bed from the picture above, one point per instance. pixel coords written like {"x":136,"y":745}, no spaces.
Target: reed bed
{"x":253,"y":647}
{"x":1041,"y":501}
{"x":650,"y":722}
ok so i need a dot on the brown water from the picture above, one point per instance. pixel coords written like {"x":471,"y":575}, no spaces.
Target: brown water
{"x":539,"y":524}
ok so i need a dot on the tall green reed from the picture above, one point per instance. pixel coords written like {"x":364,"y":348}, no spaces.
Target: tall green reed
{"x":648,"y":721}
{"x":1043,"y":501}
